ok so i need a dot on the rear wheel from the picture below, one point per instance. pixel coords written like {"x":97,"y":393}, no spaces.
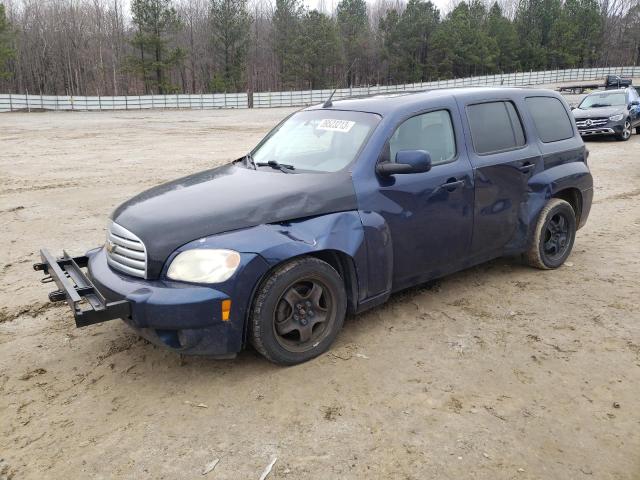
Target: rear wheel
{"x":625,"y":134}
{"x":298,"y":311}
{"x":554,"y":235}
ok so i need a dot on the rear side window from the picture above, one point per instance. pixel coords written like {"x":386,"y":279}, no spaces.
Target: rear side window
{"x":495,"y":127}
{"x":551,"y":119}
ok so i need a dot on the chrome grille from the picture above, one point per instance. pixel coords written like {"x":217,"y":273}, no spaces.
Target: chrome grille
{"x":125,"y":251}
{"x":591,"y":122}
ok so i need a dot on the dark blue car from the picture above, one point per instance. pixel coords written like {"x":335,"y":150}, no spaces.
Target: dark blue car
{"x":337,"y":208}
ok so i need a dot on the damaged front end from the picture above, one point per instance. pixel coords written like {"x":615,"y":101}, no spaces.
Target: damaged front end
{"x":184,"y":317}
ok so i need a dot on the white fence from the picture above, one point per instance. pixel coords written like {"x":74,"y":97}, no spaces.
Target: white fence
{"x":310,"y":97}
{"x":12,"y":102}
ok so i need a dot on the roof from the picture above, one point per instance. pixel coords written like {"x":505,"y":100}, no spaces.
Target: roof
{"x":385,"y":104}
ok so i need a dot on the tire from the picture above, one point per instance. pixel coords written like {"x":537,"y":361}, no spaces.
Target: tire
{"x":638,"y":130}
{"x":626,"y":131}
{"x":298,"y":311}
{"x":552,"y":239}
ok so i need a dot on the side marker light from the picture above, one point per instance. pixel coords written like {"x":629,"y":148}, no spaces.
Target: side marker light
{"x":226,"y":309}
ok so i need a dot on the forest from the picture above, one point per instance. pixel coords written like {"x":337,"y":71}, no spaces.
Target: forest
{"x":131,"y":47}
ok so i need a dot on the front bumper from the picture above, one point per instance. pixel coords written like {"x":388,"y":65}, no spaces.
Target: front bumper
{"x":609,"y":128}
{"x":184,"y":317}
{"x":597,"y":131}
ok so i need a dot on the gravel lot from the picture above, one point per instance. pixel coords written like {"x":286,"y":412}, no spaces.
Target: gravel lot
{"x":497,"y":372}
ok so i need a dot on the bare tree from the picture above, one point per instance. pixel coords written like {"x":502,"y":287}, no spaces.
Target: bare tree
{"x":82,"y":47}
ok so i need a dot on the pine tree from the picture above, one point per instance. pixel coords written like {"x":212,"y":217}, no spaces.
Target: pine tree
{"x":464,"y":46}
{"x":574,"y":34}
{"x":501,"y":29}
{"x":391,"y":46}
{"x":417,"y":24}
{"x":6,"y":44}
{"x":354,"y":29}
{"x":230,"y":23}
{"x":321,"y":49}
{"x":288,"y":39}
{"x":534,"y":25}
{"x":407,"y":41}
{"x":155,"y":21}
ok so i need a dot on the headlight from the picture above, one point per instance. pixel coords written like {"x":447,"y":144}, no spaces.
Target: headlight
{"x":616,"y":118}
{"x":204,"y":266}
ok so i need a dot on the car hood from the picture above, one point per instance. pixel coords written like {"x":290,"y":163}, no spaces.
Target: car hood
{"x":227,"y":198}
{"x":597,"y":112}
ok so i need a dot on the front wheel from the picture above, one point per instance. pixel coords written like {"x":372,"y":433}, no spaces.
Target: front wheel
{"x":298,"y":311}
{"x":554,"y":235}
{"x":625,"y":134}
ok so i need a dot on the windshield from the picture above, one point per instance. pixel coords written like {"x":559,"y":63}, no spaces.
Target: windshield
{"x":317,"y":140}
{"x":598,"y":100}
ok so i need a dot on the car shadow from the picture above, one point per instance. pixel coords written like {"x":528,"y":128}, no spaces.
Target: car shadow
{"x":603,"y":139}
{"x":249,"y":364}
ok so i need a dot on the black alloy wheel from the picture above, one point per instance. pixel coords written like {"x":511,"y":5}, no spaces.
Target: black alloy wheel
{"x":557,"y":237}
{"x":298,"y":311}
{"x":552,"y":240}
{"x":304,"y":315}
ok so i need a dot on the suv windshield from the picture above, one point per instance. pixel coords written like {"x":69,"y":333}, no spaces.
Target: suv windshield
{"x":316,"y":140}
{"x":598,"y":100}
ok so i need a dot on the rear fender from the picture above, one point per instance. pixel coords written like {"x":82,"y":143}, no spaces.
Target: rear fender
{"x":550,"y":182}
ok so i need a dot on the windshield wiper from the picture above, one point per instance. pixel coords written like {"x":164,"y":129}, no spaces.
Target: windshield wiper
{"x":600,"y":105}
{"x":278,"y":166}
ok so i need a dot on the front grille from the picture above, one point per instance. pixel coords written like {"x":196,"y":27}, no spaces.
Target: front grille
{"x":125,"y":251}
{"x":591,"y":122}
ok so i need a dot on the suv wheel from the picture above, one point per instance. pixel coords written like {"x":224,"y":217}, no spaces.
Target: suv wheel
{"x":298,"y":311}
{"x":554,"y":235}
{"x":626,"y":131}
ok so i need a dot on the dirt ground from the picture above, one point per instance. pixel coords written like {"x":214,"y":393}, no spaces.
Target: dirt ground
{"x":497,"y":372}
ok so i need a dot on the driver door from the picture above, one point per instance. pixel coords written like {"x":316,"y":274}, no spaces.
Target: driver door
{"x":429,"y":214}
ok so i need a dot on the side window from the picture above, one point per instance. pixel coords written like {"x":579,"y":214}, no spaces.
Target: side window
{"x":495,"y":127}
{"x":431,"y":131}
{"x":550,"y":117}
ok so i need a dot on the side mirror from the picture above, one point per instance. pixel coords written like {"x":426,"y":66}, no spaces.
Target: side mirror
{"x":407,"y":161}
{"x":634,"y":103}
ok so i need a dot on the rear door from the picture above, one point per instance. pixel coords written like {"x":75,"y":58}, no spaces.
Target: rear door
{"x":504,"y":159}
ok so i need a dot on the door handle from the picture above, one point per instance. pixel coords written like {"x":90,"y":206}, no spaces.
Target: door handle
{"x":452,"y":184}
{"x":526,"y":167}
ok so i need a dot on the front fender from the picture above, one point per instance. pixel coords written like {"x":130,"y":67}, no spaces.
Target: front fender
{"x":341,"y":232}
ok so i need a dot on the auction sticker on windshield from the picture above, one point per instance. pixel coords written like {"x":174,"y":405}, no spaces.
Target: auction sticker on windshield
{"x":333,"y":125}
